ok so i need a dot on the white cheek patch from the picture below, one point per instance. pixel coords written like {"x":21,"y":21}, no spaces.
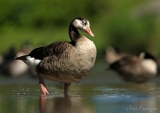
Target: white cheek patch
{"x":77,"y":23}
{"x":150,"y":66}
{"x":88,"y":24}
{"x":85,"y":27}
{"x":32,"y":62}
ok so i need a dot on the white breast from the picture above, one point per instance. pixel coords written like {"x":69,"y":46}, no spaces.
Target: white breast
{"x":150,"y":66}
{"x":32,"y":62}
{"x":86,"y":45}
{"x":87,"y":52}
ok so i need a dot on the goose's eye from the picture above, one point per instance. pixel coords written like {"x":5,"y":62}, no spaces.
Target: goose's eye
{"x":83,"y":22}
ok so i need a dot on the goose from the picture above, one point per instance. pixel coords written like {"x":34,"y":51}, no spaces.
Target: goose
{"x":113,"y":55}
{"x":64,"y":61}
{"x":7,"y":58}
{"x":136,"y":68}
{"x":16,"y":68}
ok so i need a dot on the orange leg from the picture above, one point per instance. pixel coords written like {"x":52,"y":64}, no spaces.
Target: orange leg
{"x":44,"y":89}
{"x":42,"y":85}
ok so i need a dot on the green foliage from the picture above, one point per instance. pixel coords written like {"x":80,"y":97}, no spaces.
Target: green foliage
{"x":31,"y":13}
{"x":43,"y":22}
{"x":127,"y":32}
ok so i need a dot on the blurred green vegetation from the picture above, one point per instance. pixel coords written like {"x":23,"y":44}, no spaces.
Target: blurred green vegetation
{"x":116,"y":23}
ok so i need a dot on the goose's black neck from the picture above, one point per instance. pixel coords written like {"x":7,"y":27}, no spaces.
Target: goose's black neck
{"x":73,"y":34}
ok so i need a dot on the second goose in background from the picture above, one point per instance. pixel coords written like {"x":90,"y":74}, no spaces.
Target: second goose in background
{"x":140,"y":68}
{"x":113,"y":55}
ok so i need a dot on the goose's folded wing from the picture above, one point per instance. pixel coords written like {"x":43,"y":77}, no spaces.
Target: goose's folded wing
{"x":52,"y":50}
{"x":57,"y":48}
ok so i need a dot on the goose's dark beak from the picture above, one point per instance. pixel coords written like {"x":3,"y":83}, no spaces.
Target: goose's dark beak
{"x":88,"y":30}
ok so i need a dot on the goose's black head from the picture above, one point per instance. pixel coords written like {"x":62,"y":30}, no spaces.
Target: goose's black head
{"x":82,"y":24}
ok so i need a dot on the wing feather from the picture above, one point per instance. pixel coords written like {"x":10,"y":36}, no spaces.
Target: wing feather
{"x":56,"y":49}
{"x":52,"y":50}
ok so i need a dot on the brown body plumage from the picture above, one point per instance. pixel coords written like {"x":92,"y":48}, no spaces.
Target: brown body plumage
{"x":69,"y":65}
{"x":64,"y":61}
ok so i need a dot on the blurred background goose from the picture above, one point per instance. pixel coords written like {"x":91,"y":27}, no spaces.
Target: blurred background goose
{"x":17,"y":68}
{"x":14,"y":68}
{"x":64,"y":61}
{"x":113,"y":55}
{"x":136,"y":68}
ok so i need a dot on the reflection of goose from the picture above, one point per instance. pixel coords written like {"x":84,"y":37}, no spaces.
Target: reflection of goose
{"x":112,"y":55}
{"x":64,"y":104}
{"x":64,"y":61}
{"x":136,"y":68}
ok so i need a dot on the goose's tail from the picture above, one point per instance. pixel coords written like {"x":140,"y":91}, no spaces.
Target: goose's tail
{"x":20,"y":58}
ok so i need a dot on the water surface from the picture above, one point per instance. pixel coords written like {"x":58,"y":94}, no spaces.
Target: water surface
{"x":100,"y":92}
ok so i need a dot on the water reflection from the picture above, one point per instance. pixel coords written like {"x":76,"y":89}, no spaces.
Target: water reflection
{"x":65,"y":104}
{"x":104,"y":93}
{"x":116,"y":98}
{"x":126,"y":104}
{"x":42,"y":104}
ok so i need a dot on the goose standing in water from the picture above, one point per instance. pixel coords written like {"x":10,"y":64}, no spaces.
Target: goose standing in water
{"x":65,"y":62}
{"x":134,"y":68}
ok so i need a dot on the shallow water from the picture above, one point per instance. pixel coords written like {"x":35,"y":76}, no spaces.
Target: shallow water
{"x":99,"y":92}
